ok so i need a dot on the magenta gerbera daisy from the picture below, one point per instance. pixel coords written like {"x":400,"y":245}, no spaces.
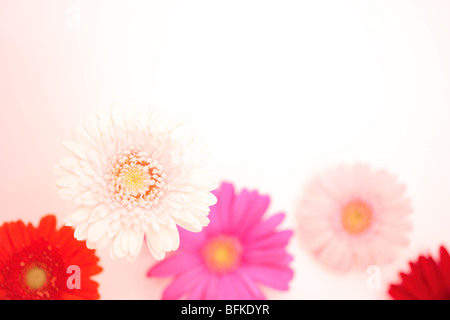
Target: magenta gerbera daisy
{"x":235,"y":254}
{"x":354,"y":216}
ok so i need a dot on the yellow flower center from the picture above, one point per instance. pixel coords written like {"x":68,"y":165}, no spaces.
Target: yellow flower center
{"x":134,"y":179}
{"x":356,"y":217}
{"x":35,"y":278}
{"x":222,"y":254}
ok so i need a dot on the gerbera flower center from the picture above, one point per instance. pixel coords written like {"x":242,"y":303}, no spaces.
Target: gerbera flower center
{"x":35,"y":278}
{"x":356,"y":217}
{"x":136,"y":179}
{"x":222,"y":254}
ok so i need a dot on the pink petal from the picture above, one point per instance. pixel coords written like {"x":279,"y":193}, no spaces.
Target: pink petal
{"x":215,"y":225}
{"x":335,"y":183}
{"x":174,"y":265}
{"x":265,"y":227}
{"x":191,"y":241}
{"x":255,"y":211}
{"x":381,"y":251}
{"x":337,"y":256}
{"x":275,"y":256}
{"x":394,"y":236}
{"x":278,"y":239}
{"x":198,"y":292}
{"x":275,"y":277}
{"x":247,"y":287}
{"x":242,"y":202}
{"x":212,"y":289}
{"x":362,"y":256}
{"x":317,"y":240}
{"x":226,"y":290}
{"x":220,"y":212}
{"x":183,"y":283}
{"x":225,"y":201}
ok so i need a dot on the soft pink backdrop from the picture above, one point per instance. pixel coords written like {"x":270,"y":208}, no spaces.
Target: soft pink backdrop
{"x":281,"y":89}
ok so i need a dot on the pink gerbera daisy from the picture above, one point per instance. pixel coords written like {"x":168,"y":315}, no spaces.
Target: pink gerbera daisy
{"x":354,"y":216}
{"x":235,"y":253}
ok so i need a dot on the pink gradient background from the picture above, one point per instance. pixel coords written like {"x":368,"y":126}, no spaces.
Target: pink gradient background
{"x":281,"y":90}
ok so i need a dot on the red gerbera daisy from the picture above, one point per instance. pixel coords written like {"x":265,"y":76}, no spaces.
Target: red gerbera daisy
{"x":45,"y":263}
{"x":427,"y":280}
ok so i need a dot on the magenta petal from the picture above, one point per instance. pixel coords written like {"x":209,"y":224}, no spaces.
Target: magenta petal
{"x":226,"y":291}
{"x":242,"y":202}
{"x":198,"y":292}
{"x":174,"y":264}
{"x":273,"y":256}
{"x":226,"y":197}
{"x":220,"y":212}
{"x":183,"y":283}
{"x":275,"y":277}
{"x":278,"y":239}
{"x":211,"y":291}
{"x":191,"y":241}
{"x":247,"y":286}
{"x":255,"y":211}
{"x":264,"y":228}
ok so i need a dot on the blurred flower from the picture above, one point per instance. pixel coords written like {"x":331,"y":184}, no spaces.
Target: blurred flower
{"x":427,"y":279}
{"x":35,"y":263}
{"x":233,"y":255}
{"x":354,"y":216}
{"x":134,"y":175}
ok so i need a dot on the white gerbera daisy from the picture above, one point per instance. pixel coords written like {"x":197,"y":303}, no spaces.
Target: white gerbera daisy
{"x":135,"y":174}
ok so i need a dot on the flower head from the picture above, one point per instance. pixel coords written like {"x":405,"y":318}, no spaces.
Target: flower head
{"x":35,"y":263}
{"x":354,"y":216}
{"x":427,"y":279}
{"x":133,"y":175}
{"x":235,"y":253}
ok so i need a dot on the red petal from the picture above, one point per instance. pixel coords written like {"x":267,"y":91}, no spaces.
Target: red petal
{"x":444,"y":265}
{"x":47,"y":226}
{"x":399,"y":292}
{"x":16,"y":233}
{"x":415,"y":286}
{"x":5,"y":244}
{"x":433,"y":277}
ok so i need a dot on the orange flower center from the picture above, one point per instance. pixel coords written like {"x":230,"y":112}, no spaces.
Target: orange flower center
{"x":356,"y":217}
{"x":136,"y":179}
{"x":35,"y":278}
{"x":222,"y":254}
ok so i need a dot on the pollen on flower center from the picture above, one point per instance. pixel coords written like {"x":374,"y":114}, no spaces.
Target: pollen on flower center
{"x":136,"y":179}
{"x":356,"y":217}
{"x":222,"y":253}
{"x":35,"y":278}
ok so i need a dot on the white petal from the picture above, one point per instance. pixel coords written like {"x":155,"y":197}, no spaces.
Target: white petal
{"x":104,"y":242}
{"x":97,"y":230}
{"x":116,"y":247}
{"x":89,"y":198}
{"x":79,"y":215}
{"x":135,"y":241}
{"x":101,"y":210}
{"x":69,"y":163}
{"x":67,"y":181}
{"x":158,"y":254}
{"x":76,"y":148}
{"x":81,"y":231}
{"x":67,"y":194}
